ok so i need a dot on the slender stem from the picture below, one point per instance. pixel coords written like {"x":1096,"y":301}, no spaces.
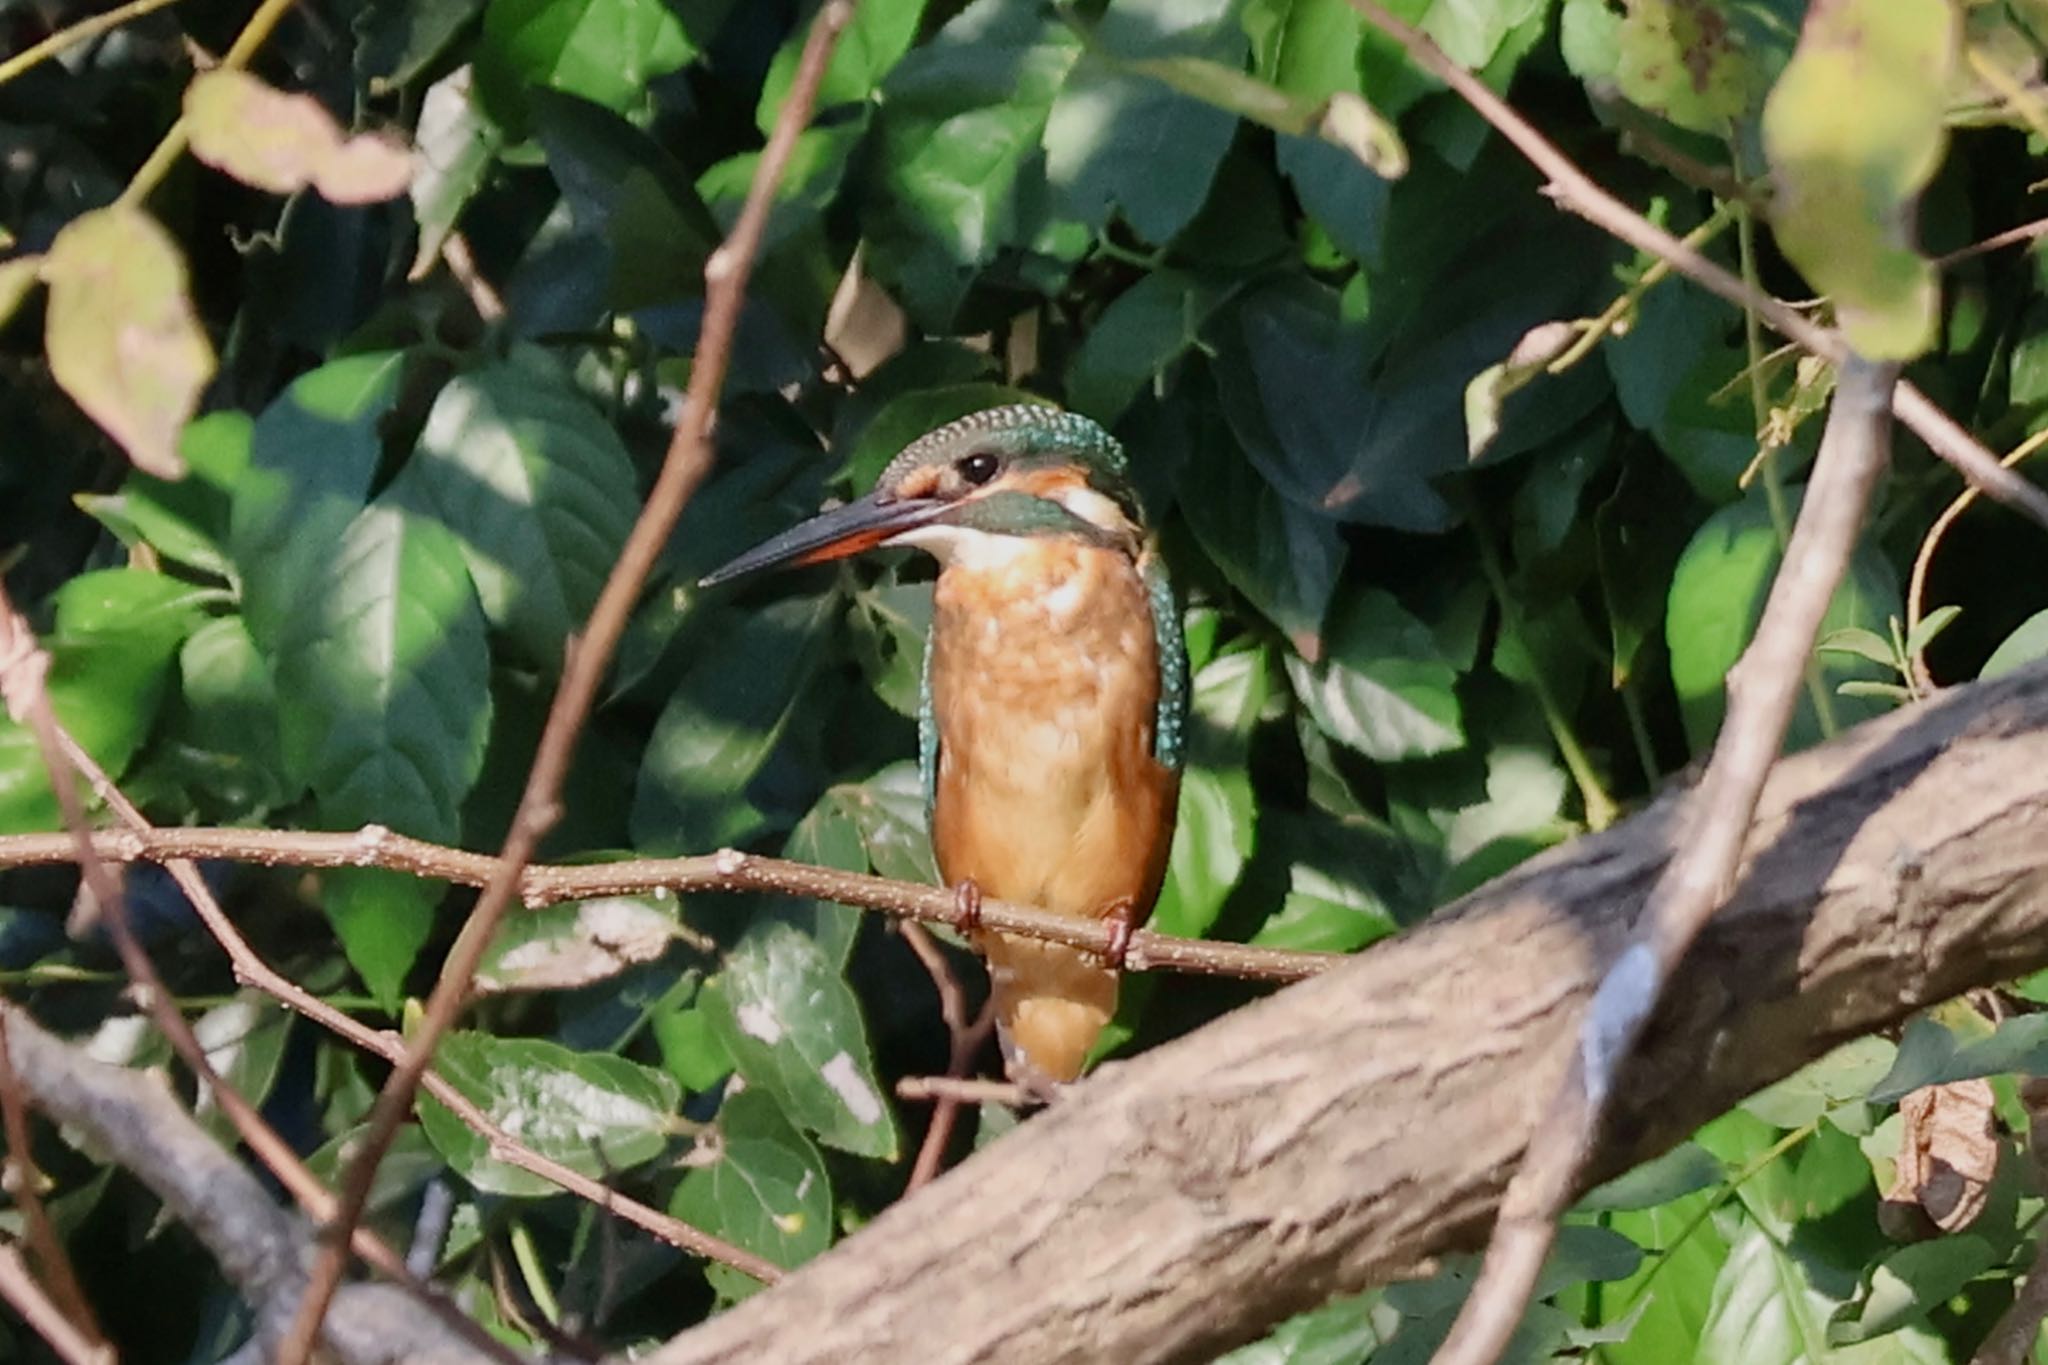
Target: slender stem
{"x":683,"y":469}
{"x":71,"y":35}
{"x":1615,"y":313}
{"x":1916,"y":591}
{"x":1760,"y":414}
{"x":1600,"y":808}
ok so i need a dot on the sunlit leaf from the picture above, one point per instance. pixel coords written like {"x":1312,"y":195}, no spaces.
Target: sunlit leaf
{"x":538,"y":488}
{"x":577,"y":942}
{"x":794,"y":1029}
{"x":595,"y":1114}
{"x":123,"y":340}
{"x":767,"y":1191}
{"x":1384,"y":688}
{"x":458,"y":143}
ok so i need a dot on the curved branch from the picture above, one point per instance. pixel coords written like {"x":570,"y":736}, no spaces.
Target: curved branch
{"x":1346,"y":1130}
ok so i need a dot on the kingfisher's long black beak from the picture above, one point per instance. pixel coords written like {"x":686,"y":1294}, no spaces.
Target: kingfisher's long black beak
{"x":859,"y":525}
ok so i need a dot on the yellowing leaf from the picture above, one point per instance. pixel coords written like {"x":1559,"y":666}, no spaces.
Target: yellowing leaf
{"x":1680,"y":58}
{"x":283,"y":143}
{"x":1854,"y":130}
{"x":121,"y":334}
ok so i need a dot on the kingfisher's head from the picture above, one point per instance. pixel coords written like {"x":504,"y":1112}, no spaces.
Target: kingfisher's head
{"x":974,"y":489}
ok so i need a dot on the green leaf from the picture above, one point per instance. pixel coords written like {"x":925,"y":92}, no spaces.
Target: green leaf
{"x":794,"y":1029}
{"x":768,"y":1192}
{"x":881,"y":32}
{"x":1843,"y":1076}
{"x":538,"y":488}
{"x":1283,"y":557}
{"x":597,"y":1115}
{"x":244,"y":1042}
{"x":1859,"y":643}
{"x":231,"y":703}
{"x":1122,"y":140}
{"x":958,"y":150}
{"x":1930,"y":1054}
{"x":1345,"y":880}
{"x":384,"y":678}
{"x":382,"y":919}
{"x":1854,"y":129}
{"x":1144,"y":330}
{"x":123,"y":340}
{"x":1914,"y":1281}
{"x":116,"y":632}
{"x":1685,"y":1169}
{"x":312,"y":455}
{"x":905,"y":418}
{"x":184,"y":520}
{"x":604,"y":51}
{"x":706,"y":777}
{"x":575,"y":943}
{"x":1930,"y":628}
{"x":1716,"y":598}
{"x":629,"y":194}
{"x":1212,"y":842}
{"x":459,"y":142}
{"x":1338,"y":1333}
{"x":691,"y":1050}
{"x":1385,"y":688}
{"x":2026,"y":644}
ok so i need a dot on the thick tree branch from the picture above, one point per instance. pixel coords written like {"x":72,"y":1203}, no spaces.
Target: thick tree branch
{"x":1349,"y":1128}
{"x":1763,"y":692}
{"x":131,"y":1119}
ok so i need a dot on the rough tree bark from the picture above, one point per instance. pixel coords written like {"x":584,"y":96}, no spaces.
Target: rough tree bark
{"x":1344,"y":1131}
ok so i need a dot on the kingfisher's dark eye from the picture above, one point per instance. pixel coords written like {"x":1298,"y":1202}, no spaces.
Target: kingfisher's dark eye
{"x":978,"y":468}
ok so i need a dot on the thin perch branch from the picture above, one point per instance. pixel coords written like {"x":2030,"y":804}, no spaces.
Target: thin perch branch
{"x":727,"y":870}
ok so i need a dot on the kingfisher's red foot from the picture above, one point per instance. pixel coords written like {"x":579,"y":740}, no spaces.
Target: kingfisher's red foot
{"x":967,"y":905}
{"x":1123,"y":922}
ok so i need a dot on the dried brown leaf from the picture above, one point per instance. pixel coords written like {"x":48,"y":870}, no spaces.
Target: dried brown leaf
{"x":1948,"y":1154}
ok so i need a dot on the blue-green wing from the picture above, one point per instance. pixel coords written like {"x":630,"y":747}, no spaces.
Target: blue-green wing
{"x":927,"y":735}
{"x":1170,"y":729}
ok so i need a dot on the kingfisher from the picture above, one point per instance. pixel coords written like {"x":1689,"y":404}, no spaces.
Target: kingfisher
{"x":1052,"y":721}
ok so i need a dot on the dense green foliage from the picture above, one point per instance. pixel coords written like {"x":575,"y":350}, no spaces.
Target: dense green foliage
{"x":1446,"y":608}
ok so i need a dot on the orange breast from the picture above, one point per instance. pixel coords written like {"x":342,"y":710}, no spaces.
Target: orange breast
{"x":1045,"y":681}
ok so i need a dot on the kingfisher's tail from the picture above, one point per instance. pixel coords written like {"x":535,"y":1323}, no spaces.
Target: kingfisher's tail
{"x":1052,"y":1003}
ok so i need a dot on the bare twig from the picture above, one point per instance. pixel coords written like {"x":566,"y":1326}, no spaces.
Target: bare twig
{"x":64,"y":1335}
{"x":725,"y":871}
{"x":968,"y":1091}
{"x":71,"y":35}
{"x":1576,"y":192}
{"x":1763,"y":689}
{"x":1997,"y":241}
{"x":1916,"y":589}
{"x":965,"y":1038}
{"x":687,"y":462}
{"x":131,"y":1118}
{"x":23,"y":1181}
{"x":22,"y":668}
